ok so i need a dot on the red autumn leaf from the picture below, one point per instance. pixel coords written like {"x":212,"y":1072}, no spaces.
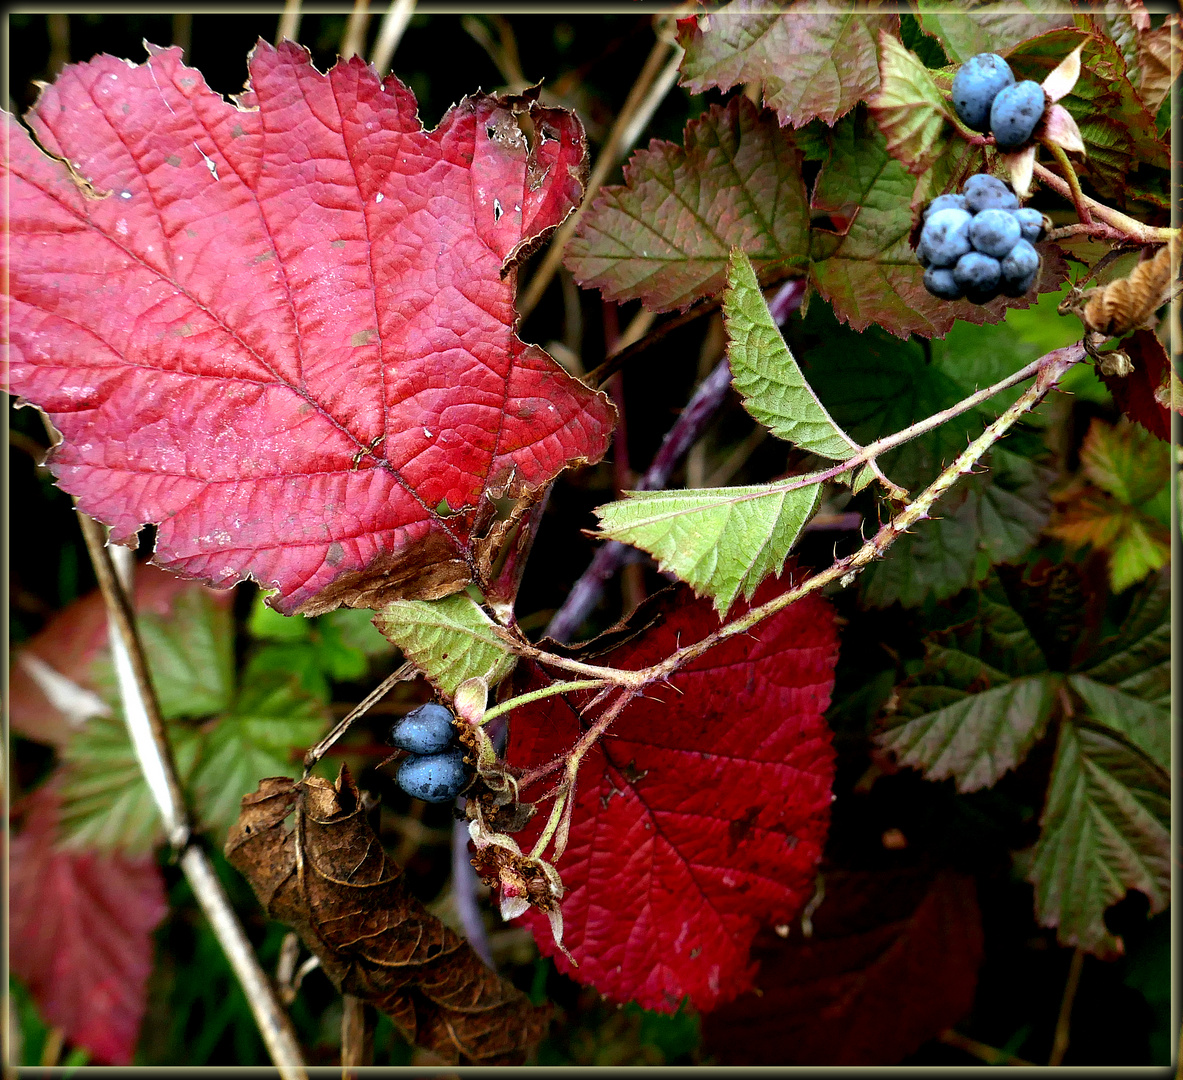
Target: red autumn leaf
{"x":1135,"y":393}
{"x":892,"y":962}
{"x":701,"y":815}
{"x":284,"y":330}
{"x":80,"y":934}
{"x":71,"y":643}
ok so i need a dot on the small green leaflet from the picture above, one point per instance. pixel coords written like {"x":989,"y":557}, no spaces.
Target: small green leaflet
{"x":765,"y":373}
{"x":450,"y":640}
{"x":910,"y":110}
{"x":720,"y":541}
{"x":1105,"y":829}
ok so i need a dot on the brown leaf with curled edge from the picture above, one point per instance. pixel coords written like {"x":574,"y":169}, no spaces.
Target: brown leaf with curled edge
{"x":330,"y":881}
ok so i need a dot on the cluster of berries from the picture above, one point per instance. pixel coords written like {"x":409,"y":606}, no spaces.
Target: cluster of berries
{"x":979,"y":243}
{"x":435,"y":771}
{"x":987,"y":98}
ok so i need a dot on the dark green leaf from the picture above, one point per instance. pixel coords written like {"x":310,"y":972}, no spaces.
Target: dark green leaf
{"x":993,"y":26}
{"x":1105,"y":829}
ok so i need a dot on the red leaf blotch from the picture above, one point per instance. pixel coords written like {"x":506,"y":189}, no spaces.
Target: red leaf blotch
{"x":701,"y":815}
{"x":284,"y":332}
{"x":80,"y":934}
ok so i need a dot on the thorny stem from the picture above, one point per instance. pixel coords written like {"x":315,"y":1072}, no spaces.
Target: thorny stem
{"x":1069,"y":172}
{"x":139,"y":700}
{"x":1048,"y":370}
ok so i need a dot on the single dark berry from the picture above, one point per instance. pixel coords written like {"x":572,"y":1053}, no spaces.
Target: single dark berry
{"x":1031,"y":223}
{"x":994,"y":232}
{"x":945,"y":236}
{"x":944,"y":202}
{"x":425,"y":730}
{"x":434,"y":778}
{"x":975,"y":86}
{"x":1015,"y":112}
{"x":1019,"y":269}
{"x":984,"y":192}
{"x":978,"y":275}
{"x":939,"y":281}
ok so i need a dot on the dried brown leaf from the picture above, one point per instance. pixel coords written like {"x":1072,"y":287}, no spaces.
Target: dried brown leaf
{"x":330,"y":880}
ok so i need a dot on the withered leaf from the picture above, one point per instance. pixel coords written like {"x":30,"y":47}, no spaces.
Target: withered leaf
{"x":330,"y":880}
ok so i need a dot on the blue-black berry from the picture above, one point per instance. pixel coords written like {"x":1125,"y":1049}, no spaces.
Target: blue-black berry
{"x":984,"y":192}
{"x":994,"y":232}
{"x":1019,"y":269}
{"x":434,"y":778}
{"x":979,"y":276}
{"x":1031,"y":223}
{"x":939,"y":281}
{"x":425,"y":730}
{"x":975,"y":86}
{"x":1015,"y":112}
{"x":944,"y":202}
{"x":945,"y":237}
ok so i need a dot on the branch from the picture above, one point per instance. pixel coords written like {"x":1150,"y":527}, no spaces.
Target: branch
{"x":148,"y":736}
{"x":1127,"y":226}
{"x":1048,"y":370}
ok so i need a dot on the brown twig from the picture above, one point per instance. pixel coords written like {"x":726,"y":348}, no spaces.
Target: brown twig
{"x":354,"y":40}
{"x":390,"y":33}
{"x":357,"y":1035}
{"x":289,"y":22}
{"x":405,"y":673}
{"x":1064,"y":1020}
{"x":1128,"y":227}
{"x":991,"y":1055}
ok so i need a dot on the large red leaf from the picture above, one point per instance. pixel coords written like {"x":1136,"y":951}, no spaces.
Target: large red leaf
{"x":1140,"y":394}
{"x":701,"y":816}
{"x":80,"y":934}
{"x":284,"y":331}
{"x":892,"y":962}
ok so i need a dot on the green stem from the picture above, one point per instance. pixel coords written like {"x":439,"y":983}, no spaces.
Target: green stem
{"x":1061,"y":157}
{"x":538,"y":695}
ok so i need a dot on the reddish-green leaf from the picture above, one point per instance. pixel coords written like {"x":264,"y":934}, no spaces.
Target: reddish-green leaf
{"x":1142,"y":395}
{"x":891,"y":962}
{"x":80,"y":928}
{"x":666,"y":235}
{"x":992,"y":25}
{"x":284,"y":331}
{"x":701,"y":815}
{"x":812,"y":59}
{"x":864,"y":264}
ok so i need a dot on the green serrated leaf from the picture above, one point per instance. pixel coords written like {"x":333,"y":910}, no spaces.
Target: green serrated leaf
{"x":449,"y":640}
{"x":765,"y":373}
{"x":911,"y":112}
{"x":1136,"y":553}
{"x":190,"y":654}
{"x":720,"y":541}
{"x":272,"y":723}
{"x":1137,"y":659}
{"x":974,"y":737}
{"x":106,"y":803}
{"x":1104,"y":830}
{"x":1146,"y":725}
{"x":267,"y":624}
